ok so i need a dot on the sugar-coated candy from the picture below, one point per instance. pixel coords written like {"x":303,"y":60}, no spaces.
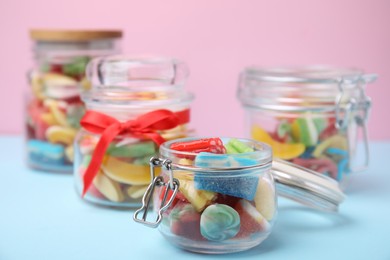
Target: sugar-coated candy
{"x":229,"y":184}
{"x":44,"y":152}
{"x":281,"y":150}
{"x":124,"y":172}
{"x":185,"y":221}
{"x":219,"y":222}
{"x":251,"y":219}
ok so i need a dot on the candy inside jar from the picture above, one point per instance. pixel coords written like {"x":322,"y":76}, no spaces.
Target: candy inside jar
{"x":217,"y":195}
{"x":54,"y":108}
{"x":134,"y":105}
{"x":310,"y":116}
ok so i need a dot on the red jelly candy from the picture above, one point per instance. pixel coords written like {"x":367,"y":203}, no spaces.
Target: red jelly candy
{"x":56,"y":68}
{"x":201,"y":145}
{"x":179,"y":196}
{"x":185,"y":222}
{"x":251,"y":221}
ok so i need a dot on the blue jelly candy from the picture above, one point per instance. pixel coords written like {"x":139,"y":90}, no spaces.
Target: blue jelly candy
{"x":46,"y":153}
{"x":226,"y":182}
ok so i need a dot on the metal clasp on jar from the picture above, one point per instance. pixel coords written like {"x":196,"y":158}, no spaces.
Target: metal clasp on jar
{"x":173,"y":185}
{"x":356,"y":109}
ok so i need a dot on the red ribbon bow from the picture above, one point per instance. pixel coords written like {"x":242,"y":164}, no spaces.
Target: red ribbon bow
{"x":144,"y":126}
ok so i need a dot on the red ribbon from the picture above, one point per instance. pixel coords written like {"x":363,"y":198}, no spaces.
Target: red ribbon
{"x":144,"y":127}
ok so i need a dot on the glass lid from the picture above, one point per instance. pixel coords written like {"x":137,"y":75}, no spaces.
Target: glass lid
{"x":306,"y":186}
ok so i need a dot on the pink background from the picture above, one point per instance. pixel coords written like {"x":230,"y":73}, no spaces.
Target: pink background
{"x":217,"y":39}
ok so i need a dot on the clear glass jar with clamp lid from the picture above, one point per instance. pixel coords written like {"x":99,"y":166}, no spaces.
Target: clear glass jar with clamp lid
{"x":311,"y":116}
{"x":218,"y":195}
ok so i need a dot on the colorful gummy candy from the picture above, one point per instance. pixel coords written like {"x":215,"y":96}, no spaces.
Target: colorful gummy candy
{"x":224,"y":206}
{"x":125,"y":170}
{"x":310,"y":141}
{"x":54,"y":112}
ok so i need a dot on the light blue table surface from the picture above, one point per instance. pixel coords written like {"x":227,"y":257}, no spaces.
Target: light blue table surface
{"x":42,"y":217}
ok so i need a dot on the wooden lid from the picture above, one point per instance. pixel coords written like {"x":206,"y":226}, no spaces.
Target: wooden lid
{"x":73,"y":35}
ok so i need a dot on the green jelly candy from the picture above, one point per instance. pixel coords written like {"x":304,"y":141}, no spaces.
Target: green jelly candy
{"x":142,"y":160}
{"x":141,"y":149}
{"x":77,"y":67}
{"x":234,"y":146}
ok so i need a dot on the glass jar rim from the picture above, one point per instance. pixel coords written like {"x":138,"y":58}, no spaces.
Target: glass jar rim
{"x":262,"y":154}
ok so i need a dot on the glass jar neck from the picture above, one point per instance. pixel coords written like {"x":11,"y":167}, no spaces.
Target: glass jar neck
{"x":62,"y":51}
{"x":302,"y":89}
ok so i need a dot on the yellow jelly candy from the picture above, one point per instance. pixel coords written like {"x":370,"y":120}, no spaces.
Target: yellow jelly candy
{"x":265,"y":199}
{"x":59,"y":116}
{"x":69,"y":152}
{"x":59,"y":134}
{"x":280,"y":150}
{"x":136,"y":191}
{"x":54,"y":80}
{"x":49,"y":119}
{"x":335,"y":141}
{"x":128,"y":173}
{"x":198,"y":198}
{"x":109,"y":188}
{"x":36,"y":85}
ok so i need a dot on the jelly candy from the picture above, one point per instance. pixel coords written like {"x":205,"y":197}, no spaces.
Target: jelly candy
{"x":59,"y":134}
{"x":125,"y":172}
{"x":139,"y":149}
{"x":281,"y":150}
{"x":304,"y":131}
{"x":219,"y":222}
{"x":324,"y":165}
{"x":52,"y":117}
{"x":198,"y":198}
{"x":336,"y":141}
{"x":205,"y":145}
{"x":225,"y":185}
{"x":250,"y":218}
{"x":265,"y":199}
{"x":234,"y":146}
{"x":185,"y":222}
{"x":136,"y":192}
{"x":44,"y":152}
{"x":109,"y":188}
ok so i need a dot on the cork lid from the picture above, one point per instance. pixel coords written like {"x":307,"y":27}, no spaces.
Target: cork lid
{"x":73,"y":35}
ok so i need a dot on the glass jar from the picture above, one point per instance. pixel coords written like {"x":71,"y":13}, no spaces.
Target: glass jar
{"x":221,"y":196}
{"x":311,"y":116}
{"x":134,"y":105}
{"x":54,"y":108}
